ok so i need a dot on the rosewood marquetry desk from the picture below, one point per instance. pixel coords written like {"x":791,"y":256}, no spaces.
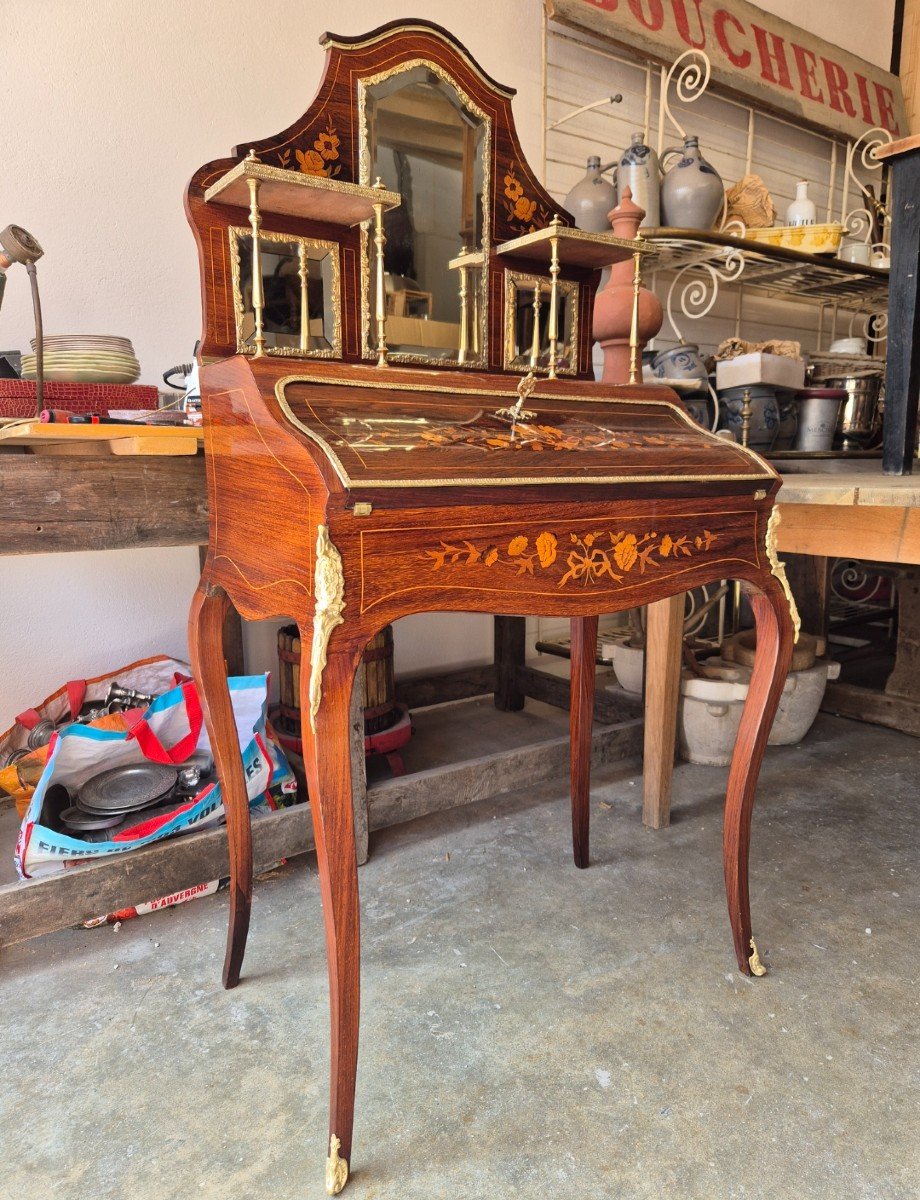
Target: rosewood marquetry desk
{"x":382,"y":439}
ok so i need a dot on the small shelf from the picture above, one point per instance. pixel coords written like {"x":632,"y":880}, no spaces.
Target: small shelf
{"x":774,"y":269}
{"x":293,"y":194}
{"x":577,"y":247}
{"x":472,"y":258}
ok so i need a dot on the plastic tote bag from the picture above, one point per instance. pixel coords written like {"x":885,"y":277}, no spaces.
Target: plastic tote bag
{"x":170,"y":730}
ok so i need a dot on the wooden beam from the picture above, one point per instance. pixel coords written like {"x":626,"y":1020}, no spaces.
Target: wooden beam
{"x":609,"y":707}
{"x":58,"y":901}
{"x":902,"y":359}
{"x":664,"y":638}
{"x":509,"y":658}
{"x":809,"y":578}
{"x":53,"y":504}
{"x":857,"y":531}
{"x":909,"y":65}
{"x":451,"y":685}
{"x":876,"y":708}
{"x":408,"y":796}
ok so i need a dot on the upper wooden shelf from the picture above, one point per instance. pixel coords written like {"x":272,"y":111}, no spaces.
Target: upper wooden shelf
{"x":577,"y":247}
{"x":821,"y":279}
{"x":293,"y":194}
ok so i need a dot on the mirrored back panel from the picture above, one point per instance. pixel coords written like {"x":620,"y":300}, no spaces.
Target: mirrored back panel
{"x":426,"y":139}
{"x":301,"y":294}
{"x":527,"y":323}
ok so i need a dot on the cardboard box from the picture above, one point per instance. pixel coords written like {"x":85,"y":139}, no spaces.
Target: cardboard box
{"x":775,"y":370}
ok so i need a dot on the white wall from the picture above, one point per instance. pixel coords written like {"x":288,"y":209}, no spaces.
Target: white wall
{"x":107,"y":107}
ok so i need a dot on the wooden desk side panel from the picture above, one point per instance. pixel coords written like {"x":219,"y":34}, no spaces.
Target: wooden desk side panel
{"x":266,"y":497}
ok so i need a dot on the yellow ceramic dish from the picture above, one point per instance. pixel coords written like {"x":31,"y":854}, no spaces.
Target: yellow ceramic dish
{"x":808,"y":239}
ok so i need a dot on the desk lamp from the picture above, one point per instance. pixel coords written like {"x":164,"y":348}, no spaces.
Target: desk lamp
{"x":18,"y":245}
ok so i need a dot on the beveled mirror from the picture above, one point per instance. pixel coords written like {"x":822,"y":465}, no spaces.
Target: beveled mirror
{"x":527,"y":323}
{"x":426,"y":139}
{"x":301,"y":294}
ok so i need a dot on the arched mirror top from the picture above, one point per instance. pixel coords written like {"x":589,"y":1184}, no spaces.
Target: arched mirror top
{"x":409,"y":104}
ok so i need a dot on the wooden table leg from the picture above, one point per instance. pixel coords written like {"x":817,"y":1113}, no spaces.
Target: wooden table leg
{"x":771,"y":664}
{"x":328,"y":764}
{"x":665,"y":631}
{"x":509,"y":658}
{"x":581,"y":720}
{"x":206,"y":625}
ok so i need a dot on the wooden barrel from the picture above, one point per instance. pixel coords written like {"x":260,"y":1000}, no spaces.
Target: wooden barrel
{"x":380,"y":703}
{"x":380,"y":710}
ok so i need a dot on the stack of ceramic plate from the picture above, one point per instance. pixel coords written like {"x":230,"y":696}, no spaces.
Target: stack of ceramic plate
{"x":85,"y":358}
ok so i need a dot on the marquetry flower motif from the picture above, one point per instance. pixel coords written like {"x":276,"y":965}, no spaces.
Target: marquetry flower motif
{"x":513,"y":189}
{"x":322,"y":158}
{"x":591,"y":557}
{"x":524,"y":209}
{"x":546,"y":549}
{"x":520,"y":209}
{"x":311,"y":162}
{"x":327,"y":144}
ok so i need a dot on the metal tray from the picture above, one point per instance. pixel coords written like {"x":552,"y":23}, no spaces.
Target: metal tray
{"x":127,"y":789}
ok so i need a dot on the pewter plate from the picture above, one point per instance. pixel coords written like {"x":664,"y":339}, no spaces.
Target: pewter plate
{"x":127,"y":789}
{"x":81,"y":822}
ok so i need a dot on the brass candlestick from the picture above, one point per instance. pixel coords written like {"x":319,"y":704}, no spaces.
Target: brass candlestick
{"x":379,"y":242}
{"x":535,"y":336}
{"x":745,"y":416}
{"x":555,"y":225}
{"x":634,"y":320}
{"x":464,"y":308}
{"x":258,"y":292}
{"x":304,"y":272}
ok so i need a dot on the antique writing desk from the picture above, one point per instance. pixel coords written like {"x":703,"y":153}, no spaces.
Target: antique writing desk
{"x":401,"y":418}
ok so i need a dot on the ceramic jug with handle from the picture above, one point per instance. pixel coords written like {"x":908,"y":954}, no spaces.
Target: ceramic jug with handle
{"x":692,"y":193}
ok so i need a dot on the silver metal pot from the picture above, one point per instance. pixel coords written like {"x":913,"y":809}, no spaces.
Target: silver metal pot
{"x":819,"y":411}
{"x":860,"y":416}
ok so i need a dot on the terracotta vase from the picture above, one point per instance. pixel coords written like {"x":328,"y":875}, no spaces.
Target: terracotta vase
{"x":613,"y":304}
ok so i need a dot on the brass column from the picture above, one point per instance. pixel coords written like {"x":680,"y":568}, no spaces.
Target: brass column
{"x":258,"y":294}
{"x":381,"y":303}
{"x":554,"y":297}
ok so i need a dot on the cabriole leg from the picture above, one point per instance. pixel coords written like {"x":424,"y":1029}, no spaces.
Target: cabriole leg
{"x":771,"y":664}
{"x":206,"y":649}
{"x":327,"y":760}
{"x":581,"y":720}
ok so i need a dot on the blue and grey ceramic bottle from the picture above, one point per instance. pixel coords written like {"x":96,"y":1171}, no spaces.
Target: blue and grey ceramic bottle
{"x":691,"y":191}
{"x":638,"y":170}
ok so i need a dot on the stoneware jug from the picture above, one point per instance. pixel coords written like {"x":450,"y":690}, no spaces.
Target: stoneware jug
{"x":592,"y":198}
{"x":691,"y":191}
{"x":638,"y":170}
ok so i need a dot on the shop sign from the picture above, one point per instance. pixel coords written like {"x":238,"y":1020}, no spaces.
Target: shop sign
{"x":771,"y":63}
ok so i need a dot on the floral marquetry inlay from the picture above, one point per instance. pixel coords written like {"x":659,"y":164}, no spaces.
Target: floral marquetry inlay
{"x":586,"y":558}
{"x":320,"y":158}
{"x":520,"y":209}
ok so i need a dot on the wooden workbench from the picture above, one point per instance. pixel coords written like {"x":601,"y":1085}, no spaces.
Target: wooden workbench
{"x":874,"y":517}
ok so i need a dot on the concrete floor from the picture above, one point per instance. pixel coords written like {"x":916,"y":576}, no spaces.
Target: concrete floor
{"x":529,"y":1030}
